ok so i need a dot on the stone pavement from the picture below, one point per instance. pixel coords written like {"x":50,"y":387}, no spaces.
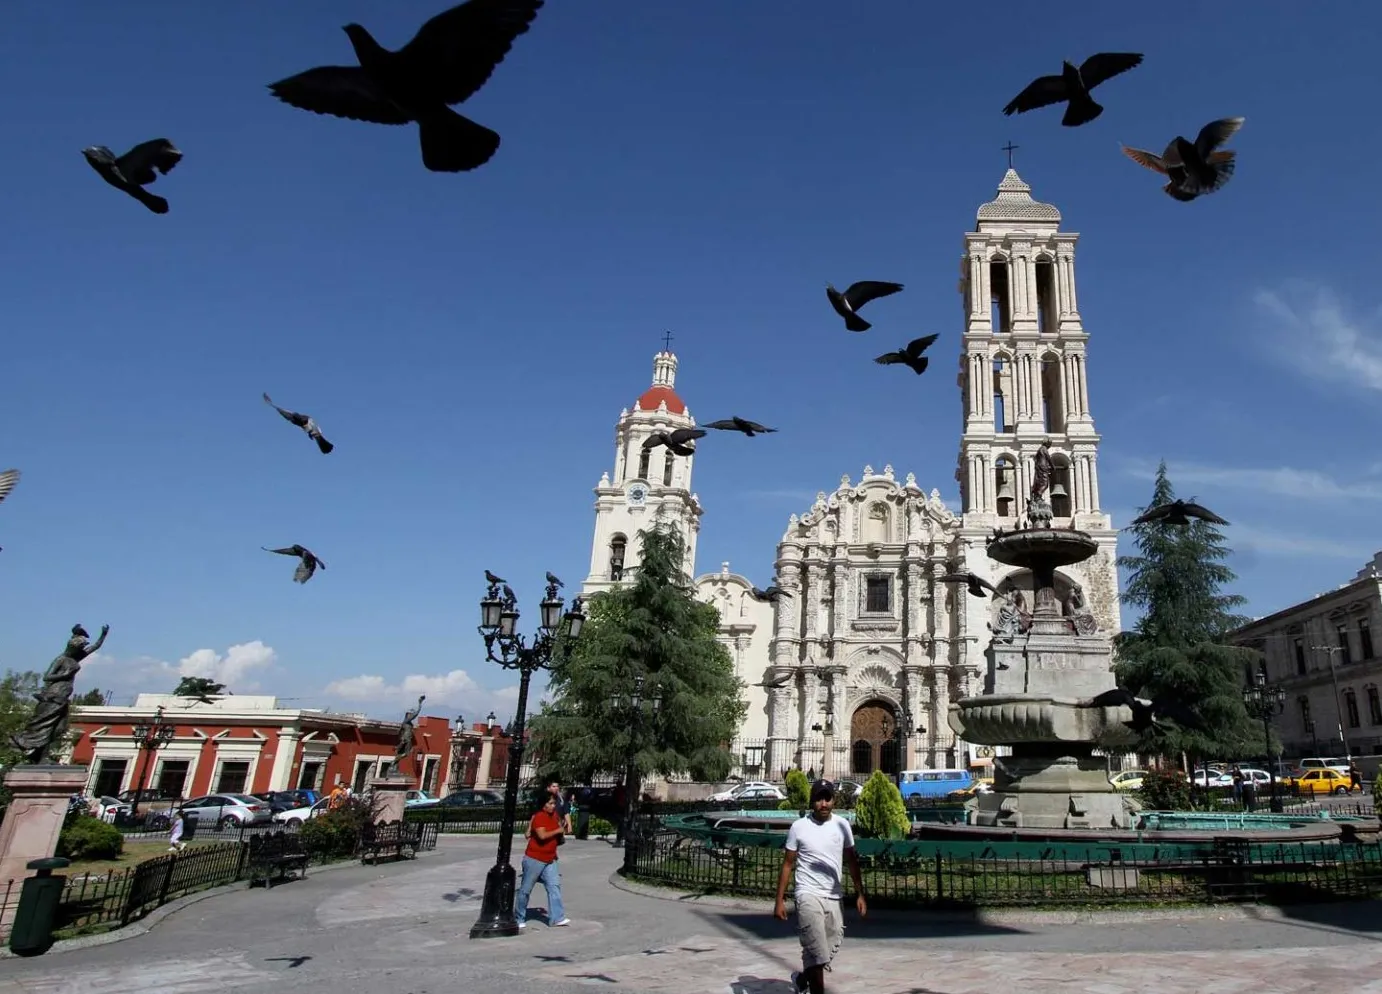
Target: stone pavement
{"x":402,"y":929}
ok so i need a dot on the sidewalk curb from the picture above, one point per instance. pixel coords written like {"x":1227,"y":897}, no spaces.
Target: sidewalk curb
{"x":146,"y":924}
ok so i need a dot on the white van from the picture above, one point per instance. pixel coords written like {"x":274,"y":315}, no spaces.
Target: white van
{"x":1325,"y":763}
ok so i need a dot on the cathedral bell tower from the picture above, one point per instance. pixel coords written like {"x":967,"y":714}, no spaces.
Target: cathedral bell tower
{"x":646,"y":485}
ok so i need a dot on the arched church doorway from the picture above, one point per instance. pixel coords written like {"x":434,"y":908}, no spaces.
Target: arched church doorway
{"x":873,"y":741}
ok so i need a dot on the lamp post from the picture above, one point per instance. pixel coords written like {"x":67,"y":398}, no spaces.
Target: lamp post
{"x":149,"y":737}
{"x":633,"y":705}
{"x":503,"y":645}
{"x":902,"y":731}
{"x":1264,"y":703}
{"x":1338,"y":696}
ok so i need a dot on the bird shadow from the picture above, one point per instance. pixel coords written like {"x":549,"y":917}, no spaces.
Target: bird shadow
{"x":463,"y":894}
{"x":549,"y":958}
{"x":593,"y":976}
{"x":293,"y":961}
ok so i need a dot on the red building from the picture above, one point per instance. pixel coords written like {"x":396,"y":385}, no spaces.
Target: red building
{"x":246,"y":744}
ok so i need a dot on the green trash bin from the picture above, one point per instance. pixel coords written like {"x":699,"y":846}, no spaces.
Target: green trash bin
{"x":32,"y":931}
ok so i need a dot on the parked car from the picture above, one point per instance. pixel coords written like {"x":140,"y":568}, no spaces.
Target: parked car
{"x":1324,"y":763}
{"x":1211,"y":778}
{"x":296,"y":816}
{"x":111,"y":809}
{"x":1322,"y":781}
{"x":472,"y":797}
{"x":1127,"y":780}
{"x":419,"y":799}
{"x":227,"y":810}
{"x":933,"y":783}
{"x":747,"y":790}
{"x":284,"y":800}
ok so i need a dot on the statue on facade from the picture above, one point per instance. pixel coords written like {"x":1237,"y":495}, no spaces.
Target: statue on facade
{"x":1076,"y":611}
{"x":406,"y":735}
{"x":52,"y":703}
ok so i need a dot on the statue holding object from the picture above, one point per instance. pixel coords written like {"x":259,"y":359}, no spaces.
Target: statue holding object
{"x":53,"y":701}
{"x":406,"y":736}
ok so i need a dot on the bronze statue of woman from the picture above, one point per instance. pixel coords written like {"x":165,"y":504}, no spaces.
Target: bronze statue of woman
{"x":405,"y":736}
{"x":53,"y":701}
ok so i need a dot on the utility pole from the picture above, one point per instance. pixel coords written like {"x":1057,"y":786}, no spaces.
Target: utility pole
{"x":1338,"y":697}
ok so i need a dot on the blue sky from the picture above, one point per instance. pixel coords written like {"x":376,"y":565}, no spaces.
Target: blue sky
{"x":468,"y":341}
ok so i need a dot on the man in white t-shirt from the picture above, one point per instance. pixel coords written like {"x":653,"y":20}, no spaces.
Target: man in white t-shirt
{"x":817,"y":846}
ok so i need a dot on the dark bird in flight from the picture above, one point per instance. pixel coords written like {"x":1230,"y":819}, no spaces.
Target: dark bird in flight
{"x":206,"y":698}
{"x":306,"y":568}
{"x":847,"y":304}
{"x":976,"y":584}
{"x":304,"y":422}
{"x":1145,"y":713}
{"x":911,"y":356}
{"x":1193,"y":169}
{"x":675,"y":440}
{"x":736,"y":423}
{"x":1179,"y":512}
{"x":772,"y":595}
{"x":552,"y":579}
{"x":8,"y":479}
{"x":447,"y":62}
{"x":1073,"y":85}
{"x":135,"y":169}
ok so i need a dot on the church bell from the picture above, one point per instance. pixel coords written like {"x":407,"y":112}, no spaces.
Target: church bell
{"x":1058,"y":489}
{"x":1005,"y":489}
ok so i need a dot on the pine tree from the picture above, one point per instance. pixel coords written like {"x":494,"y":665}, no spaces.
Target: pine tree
{"x":654,"y":629}
{"x":880,"y":813}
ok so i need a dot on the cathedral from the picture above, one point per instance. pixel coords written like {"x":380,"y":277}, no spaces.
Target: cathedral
{"x":854,"y":668}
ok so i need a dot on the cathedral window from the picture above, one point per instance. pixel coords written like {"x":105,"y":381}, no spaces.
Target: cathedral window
{"x":1299,"y":647}
{"x":1374,"y":705}
{"x":1052,"y":395}
{"x":1047,"y":321}
{"x":643,"y":464}
{"x":1365,"y":637}
{"x":667,"y":467}
{"x":1341,"y":632}
{"x":1351,"y":707}
{"x":1000,"y":305}
{"x":1005,"y":485}
{"x":617,"y":545}
{"x":877,"y":595}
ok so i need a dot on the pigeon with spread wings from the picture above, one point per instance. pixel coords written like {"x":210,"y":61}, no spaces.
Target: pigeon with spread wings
{"x":911,"y":356}
{"x":305,"y":422}
{"x":675,"y":440}
{"x":736,"y":423}
{"x":1073,"y":86}
{"x":847,"y":304}
{"x":1145,"y":713}
{"x":449,"y":59}
{"x":306,"y":568}
{"x":136,"y":169}
{"x":772,"y":595}
{"x":1179,"y":512}
{"x":1193,"y":169}
{"x":976,"y":583}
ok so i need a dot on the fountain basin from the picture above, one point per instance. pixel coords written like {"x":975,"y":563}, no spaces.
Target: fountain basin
{"x":1010,"y":719}
{"x":1049,"y":547}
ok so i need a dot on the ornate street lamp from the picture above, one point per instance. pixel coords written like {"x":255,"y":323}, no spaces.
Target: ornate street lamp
{"x":904,"y":729}
{"x":633,"y":706}
{"x":498,"y":627}
{"x":1264,"y":703}
{"x":149,"y":737}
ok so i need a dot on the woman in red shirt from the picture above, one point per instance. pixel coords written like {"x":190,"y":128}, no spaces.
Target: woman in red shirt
{"x":545,"y":831}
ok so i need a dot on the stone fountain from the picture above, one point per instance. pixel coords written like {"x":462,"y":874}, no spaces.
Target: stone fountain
{"x":1037,"y":697}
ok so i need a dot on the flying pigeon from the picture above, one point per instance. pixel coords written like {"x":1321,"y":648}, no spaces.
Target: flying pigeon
{"x":306,"y":568}
{"x":449,"y":59}
{"x":976,"y":584}
{"x":911,"y":356}
{"x":1146,"y":712}
{"x":1179,"y":512}
{"x":304,"y":422}
{"x":1193,"y":168}
{"x":847,"y":304}
{"x":491,"y":578}
{"x":8,"y":479}
{"x":552,"y":579}
{"x":772,"y":595}
{"x":736,"y":423}
{"x":675,"y":440}
{"x":1073,"y":85}
{"x":135,"y":169}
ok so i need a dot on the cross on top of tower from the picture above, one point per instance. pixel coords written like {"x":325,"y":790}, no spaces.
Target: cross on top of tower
{"x":667,"y":342}
{"x":1010,"y":148}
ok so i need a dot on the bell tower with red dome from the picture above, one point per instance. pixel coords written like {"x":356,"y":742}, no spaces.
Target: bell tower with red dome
{"x":646,"y":485}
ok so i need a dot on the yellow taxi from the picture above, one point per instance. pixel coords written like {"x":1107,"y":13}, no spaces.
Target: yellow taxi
{"x":1325,"y":781}
{"x":981,"y":785}
{"x":1128,"y":780}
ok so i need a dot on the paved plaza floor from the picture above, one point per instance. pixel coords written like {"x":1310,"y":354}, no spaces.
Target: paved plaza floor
{"x":403,"y":929}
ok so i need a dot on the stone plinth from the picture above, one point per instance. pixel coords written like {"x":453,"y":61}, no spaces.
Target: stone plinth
{"x":38,"y":805}
{"x":390,"y":798}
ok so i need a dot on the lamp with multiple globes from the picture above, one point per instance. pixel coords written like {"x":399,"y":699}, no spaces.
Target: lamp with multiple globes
{"x":149,"y":737}
{"x":1264,"y":703}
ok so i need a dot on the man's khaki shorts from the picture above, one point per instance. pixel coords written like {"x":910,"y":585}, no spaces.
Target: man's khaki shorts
{"x":821,"y":929}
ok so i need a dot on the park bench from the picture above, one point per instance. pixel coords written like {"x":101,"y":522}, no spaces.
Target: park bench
{"x":273,"y":855}
{"x":396,"y":838}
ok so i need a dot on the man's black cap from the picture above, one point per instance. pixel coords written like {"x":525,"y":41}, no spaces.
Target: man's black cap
{"x":822,"y":790}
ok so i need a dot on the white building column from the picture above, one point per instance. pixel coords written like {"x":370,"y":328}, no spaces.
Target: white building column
{"x":284,"y":754}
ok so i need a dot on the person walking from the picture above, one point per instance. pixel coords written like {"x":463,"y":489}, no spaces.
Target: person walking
{"x":175,"y":843}
{"x":546,"y":831}
{"x":818,"y":844}
{"x":563,"y":806}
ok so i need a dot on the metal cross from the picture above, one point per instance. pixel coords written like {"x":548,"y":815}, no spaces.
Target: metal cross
{"x":1010,"y":148}
{"x":667,"y":342}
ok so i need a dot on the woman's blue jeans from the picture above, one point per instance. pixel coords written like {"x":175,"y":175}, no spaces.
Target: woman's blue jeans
{"x":535,"y":870}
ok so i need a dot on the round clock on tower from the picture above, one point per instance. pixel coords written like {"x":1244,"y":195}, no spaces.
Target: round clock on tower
{"x":636,"y":495}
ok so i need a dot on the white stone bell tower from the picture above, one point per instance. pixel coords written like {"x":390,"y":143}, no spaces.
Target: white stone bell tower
{"x":646,"y":486}
{"x":1023,"y":381}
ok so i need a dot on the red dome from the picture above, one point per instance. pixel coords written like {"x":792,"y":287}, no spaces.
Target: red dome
{"x":659,"y":394}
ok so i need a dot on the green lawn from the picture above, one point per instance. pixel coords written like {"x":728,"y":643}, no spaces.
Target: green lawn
{"x":134,"y":854}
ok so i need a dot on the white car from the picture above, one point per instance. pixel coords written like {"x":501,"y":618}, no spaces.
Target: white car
{"x":1212,"y":778}
{"x":296,"y":816}
{"x":419,"y":799}
{"x":749,"y":791}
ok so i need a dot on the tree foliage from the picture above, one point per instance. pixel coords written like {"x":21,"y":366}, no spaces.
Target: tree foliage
{"x":198,"y":686}
{"x":653,"y":628}
{"x":879,"y":813}
{"x":1174,"y":650}
{"x":798,"y":792}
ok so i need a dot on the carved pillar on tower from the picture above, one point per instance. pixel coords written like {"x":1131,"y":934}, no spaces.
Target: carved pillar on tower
{"x":810,"y":700}
{"x":812,"y":600}
{"x":941,"y":734}
{"x":916,"y":704}
{"x":787,"y":616}
{"x":918,"y":593}
{"x":782,"y":738}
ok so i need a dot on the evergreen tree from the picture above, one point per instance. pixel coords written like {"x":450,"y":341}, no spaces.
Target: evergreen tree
{"x":198,"y":686}
{"x":651,"y":635}
{"x":1175,"y":648}
{"x":880,"y":813}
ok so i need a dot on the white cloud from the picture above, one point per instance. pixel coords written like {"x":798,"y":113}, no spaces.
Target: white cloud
{"x":147,"y":674}
{"x":453,"y":688}
{"x":1315,"y":335}
{"x":232,"y":668}
{"x":1281,"y":481}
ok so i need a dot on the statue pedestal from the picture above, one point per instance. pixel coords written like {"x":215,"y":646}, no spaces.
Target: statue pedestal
{"x":390,"y":798}
{"x":38,"y":805}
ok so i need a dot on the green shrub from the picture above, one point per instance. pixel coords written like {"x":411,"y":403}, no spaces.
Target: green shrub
{"x":879,"y":812}
{"x":336,"y":833}
{"x":598,"y":826}
{"x":1164,"y":791}
{"x":90,"y":838}
{"x":798,"y":791}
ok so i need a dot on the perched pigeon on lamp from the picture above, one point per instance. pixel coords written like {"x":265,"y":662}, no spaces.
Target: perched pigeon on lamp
{"x":1073,"y":86}
{"x":1178,"y":512}
{"x":973,"y":581}
{"x":911,"y":356}
{"x":496,"y":580}
{"x":449,"y":59}
{"x":136,"y":169}
{"x":306,"y":568}
{"x":736,"y":423}
{"x":552,"y":579}
{"x":1193,"y":169}
{"x":304,"y":422}
{"x":772,"y":595}
{"x":675,"y":440}
{"x":858,"y":294}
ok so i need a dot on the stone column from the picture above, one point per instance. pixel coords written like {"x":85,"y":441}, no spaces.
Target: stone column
{"x":978,"y":305}
{"x":284,"y":754}
{"x":810,"y":707}
{"x":914,"y":686}
{"x":1072,"y":305}
{"x":942,"y":735}
{"x":39,"y":795}
{"x":1093,"y":482}
{"x":787,"y":620}
{"x":781,"y":740}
